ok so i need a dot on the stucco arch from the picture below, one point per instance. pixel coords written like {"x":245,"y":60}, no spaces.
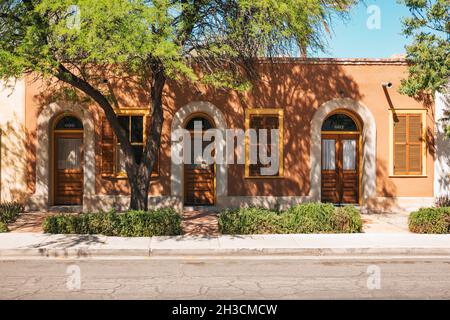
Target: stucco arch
{"x":369,"y":133}
{"x":177,"y":170}
{"x":41,"y":198}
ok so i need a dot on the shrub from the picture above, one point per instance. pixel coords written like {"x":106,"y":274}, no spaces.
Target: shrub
{"x":9,"y":211}
{"x":3,"y":227}
{"x":250,"y":221}
{"x":442,"y":202}
{"x":304,"y":218}
{"x":347,"y":220}
{"x":310,"y":218}
{"x":430,"y":220}
{"x":162,"y":222}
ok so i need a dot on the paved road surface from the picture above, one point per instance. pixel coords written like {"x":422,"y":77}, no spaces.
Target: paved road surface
{"x":226,"y":278}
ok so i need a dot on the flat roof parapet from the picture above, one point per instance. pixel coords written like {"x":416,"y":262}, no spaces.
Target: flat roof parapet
{"x":341,"y":61}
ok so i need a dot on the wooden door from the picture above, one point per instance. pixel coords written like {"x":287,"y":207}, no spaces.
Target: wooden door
{"x":199,"y":177}
{"x":199,"y":184}
{"x":340,"y":168}
{"x":68,"y":168}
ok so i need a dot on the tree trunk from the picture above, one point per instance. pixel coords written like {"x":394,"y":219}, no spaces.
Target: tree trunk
{"x":141,"y":184}
{"x":139,"y":175}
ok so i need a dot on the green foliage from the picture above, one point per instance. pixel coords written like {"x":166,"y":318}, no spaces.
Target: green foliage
{"x":347,"y":220}
{"x":311,"y":218}
{"x":38,"y":36}
{"x":250,"y":221}
{"x":304,"y":218}
{"x":9,"y":211}
{"x":161,"y":222}
{"x":3,"y":227}
{"x":429,"y":53}
{"x":430,"y":220}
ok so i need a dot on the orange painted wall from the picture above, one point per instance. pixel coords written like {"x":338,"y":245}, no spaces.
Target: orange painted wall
{"x":297,"y":87}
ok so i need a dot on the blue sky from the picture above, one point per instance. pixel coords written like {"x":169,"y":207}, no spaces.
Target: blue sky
{"x":353,"y":39}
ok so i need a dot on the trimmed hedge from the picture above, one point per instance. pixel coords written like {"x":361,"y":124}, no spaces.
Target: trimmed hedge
{"x":304,"y":218}
{"x":430,"y":220}
{"x":10,"y":211}
{"x":161,"y":222}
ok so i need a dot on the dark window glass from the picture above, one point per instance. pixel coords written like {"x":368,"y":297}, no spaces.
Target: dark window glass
{"x":269,"y":123}
{"x":204,"y":122}
{"x":137,"y":129}
{"x":339,"y":122}
{"x":69,"y":123}
{"x":124,"y":122}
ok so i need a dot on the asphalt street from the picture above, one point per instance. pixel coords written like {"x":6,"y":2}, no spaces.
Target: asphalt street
{"x":221,"y":277}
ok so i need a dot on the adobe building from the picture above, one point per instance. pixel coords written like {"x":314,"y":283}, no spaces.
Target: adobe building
{"x":347,"y":137}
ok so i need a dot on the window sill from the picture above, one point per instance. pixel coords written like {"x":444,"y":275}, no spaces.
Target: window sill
{"x":409,"y":176}
{"x":263,"y":177}
{"x":122,"y":177}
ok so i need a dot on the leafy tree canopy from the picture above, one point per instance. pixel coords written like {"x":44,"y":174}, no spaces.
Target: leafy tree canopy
{"x":429,"y":53}
{"x":39,"y":36}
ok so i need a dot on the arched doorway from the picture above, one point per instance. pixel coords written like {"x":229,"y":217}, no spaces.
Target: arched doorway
{"x":341,"y":158}
{"x":68,"y":160}
{"x":199,"y":177}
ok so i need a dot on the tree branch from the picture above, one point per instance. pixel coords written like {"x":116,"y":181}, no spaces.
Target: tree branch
{"x":68,"y":77}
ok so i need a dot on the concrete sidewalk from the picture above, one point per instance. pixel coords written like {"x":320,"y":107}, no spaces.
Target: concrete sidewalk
{"x":34,"y":245}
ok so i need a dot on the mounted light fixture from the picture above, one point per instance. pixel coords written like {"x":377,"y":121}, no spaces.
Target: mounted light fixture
{"x":387,"y":85}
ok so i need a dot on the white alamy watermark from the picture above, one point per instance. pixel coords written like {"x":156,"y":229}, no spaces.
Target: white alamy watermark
{"x":73,"y":282}
{"x":215,"y":146}
{"x":374,"y":19}
{"x":73,"y":20}
{"x":374,"y":279}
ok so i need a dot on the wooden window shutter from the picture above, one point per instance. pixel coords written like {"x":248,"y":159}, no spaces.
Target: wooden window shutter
{"x":408,"y":144}
{"x":267,"y":122}
{"x":107,"y":148}
{"x":415,"y":144}
{"x":400,"y":142}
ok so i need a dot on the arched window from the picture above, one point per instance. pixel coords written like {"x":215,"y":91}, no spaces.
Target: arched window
{"x":205,"y":123}
{"x":340,"y":122}
{"x":69,"y":123}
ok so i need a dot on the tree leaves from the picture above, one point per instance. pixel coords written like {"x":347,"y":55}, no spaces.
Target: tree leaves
{"x":429,"y":52}
{"x":37,"y":36}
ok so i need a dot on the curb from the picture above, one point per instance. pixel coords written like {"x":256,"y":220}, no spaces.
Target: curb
{"x":71,"y":253}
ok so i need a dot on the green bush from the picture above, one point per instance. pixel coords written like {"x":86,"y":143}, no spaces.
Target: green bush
{"x":347,"y":220}
{"x":304,"y":218}
{"x":9,"y":211}
{"x":161,"y":222}
{"x":250,"y":221}
{"x":3,"y":227}
{"x":310,"y":218}
{"x":430,"y":220}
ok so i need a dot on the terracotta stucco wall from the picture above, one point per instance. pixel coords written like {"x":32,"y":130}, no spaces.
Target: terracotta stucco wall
{"x":300,"y":89}
{"x":13,"y":141}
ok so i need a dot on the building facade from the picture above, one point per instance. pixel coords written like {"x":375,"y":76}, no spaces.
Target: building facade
{"x":346,"y":136}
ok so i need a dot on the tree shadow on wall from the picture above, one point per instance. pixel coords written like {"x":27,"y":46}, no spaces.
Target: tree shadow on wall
{"x":300,"y":89}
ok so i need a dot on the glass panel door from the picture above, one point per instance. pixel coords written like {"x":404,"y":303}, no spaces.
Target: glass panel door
{"x":69,"y":153}
{"x":349,"y":155}
{"x":328,"y":154}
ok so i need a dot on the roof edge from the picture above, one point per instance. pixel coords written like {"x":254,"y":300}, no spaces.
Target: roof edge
{"x":343,"y":61}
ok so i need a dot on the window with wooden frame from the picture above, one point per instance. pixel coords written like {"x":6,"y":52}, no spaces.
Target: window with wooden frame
{"x":408,"y":141}
{"x":268,"y":119}
{"x":135,"y":124}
